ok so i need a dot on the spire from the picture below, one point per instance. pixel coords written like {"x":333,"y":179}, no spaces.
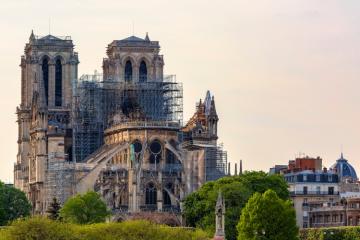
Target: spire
{"x":147,"y":37}
{"x":32,"y":36}
{"x":213,"y":108}
{"x":207,"y":103}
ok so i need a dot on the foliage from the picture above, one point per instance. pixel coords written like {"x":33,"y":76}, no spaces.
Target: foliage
{"x":54,"y":209}
{"x":43,"y":228}
{"x":13,"y":204}
{"x":199,"y":207}
{"x":335,"y":233}
{"x":84,"y":209}
{"x":266,"y":216}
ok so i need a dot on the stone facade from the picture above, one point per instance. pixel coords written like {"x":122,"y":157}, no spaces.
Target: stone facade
{"x":343,"y":213}
{"x":48,"y":69}
{"x":146,"y":163}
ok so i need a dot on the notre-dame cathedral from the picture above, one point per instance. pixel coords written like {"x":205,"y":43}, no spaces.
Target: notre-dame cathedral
{"x":120,"y":133}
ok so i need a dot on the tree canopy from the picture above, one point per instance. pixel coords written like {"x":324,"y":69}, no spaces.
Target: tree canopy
{"x":199,"y":207}
{"x":13,"y":204}
{"x":84,"y":209}
{"x":266,"y":216}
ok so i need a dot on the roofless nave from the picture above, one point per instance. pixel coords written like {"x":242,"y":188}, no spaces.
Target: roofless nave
{"x":120,"y":133}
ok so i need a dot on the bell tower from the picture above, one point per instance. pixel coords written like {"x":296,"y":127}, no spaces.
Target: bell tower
{"x":133,"y":60}
{"x":48,"y":70}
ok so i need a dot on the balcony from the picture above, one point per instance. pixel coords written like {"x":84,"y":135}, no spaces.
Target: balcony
{"x":328,"y":224}
{"x":328,"y":208}
{"x":297,"y":193}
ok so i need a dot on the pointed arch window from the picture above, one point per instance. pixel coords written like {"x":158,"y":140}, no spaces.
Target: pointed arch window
{"x":150,"y":194}
{"x":45,"y":76}
{"x":128,"y":71}
{"x":166,"y":197}
{"x":142,"y":72}
{"x":58,"y":83}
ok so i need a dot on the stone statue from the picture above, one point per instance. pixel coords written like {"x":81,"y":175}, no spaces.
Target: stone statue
{"x":220,"y":218}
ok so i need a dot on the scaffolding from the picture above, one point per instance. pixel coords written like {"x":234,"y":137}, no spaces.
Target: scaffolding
{"x":88,"y":122}
{"x":215,"y":162}
{"x":100,"y":104}
{"x":59,"y":178}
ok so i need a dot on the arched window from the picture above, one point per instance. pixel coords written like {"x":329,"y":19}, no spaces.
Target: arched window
{"x":142,"y":72}
{"x":166,"y":197}
{"x":155,"y":152}
{"x":150,"y":194}
{"x":128,"y":71}
{"x":170,"y":157}
{"x":45,"y":76}
{"x":58,"y":83}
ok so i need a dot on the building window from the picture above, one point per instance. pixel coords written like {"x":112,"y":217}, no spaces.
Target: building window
{"x":166,"y":196}
{"x":128,"y":71}
{"x":318,"y":190}
{"x":155,"y":152}
{"x":305,"y":178}
{"x":305,"y":190}
{"x":58,"y":83}
{"x":150,"y":194}
{"x":330,"y":178}
{"x":331,"y":190}
{"x":45,"y":76}
{"x":318,"y":177}
{"x":142,"y":72}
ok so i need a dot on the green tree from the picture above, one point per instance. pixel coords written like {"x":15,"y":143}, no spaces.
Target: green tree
{"x":199,"y":207}
{"x":54,"y":209}
{"x":266,"y":216}
{"x":84,"y":209}
{"x":13,"y":204}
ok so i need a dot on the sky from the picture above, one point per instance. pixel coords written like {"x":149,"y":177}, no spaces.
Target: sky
{"x":285,"y":73}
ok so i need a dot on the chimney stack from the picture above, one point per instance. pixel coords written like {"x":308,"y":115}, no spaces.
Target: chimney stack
{"x":241,"y":170}
{"x":236,"y":169}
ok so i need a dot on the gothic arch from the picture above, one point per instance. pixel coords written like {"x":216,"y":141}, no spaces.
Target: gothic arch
{"x":45,"y":63}
{"x":61,"y":57}
{"x":128,"y":71}
{"x":143,"y":72}
{"x":58,"y":81}
{"x":150,"y":194}
{"x":128,"y":58}
{"x":43,"y":56}
{"x":149,"y":66}
{"x":155,"y":149}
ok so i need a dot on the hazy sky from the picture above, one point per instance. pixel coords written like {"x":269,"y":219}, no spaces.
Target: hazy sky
{"x":285,"y":73}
